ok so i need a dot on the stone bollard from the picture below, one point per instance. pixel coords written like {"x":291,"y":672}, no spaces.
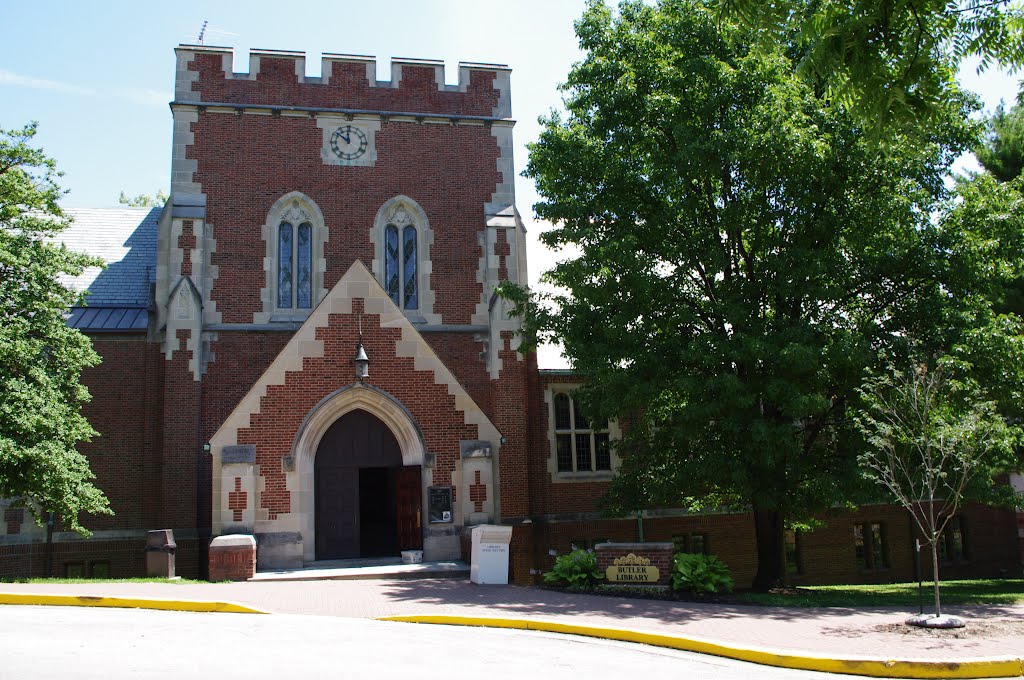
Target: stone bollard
{"x":160,"y":549}
{"x":232,"y":557}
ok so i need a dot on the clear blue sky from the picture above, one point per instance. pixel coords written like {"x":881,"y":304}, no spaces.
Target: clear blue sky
{"x":98,"y":75}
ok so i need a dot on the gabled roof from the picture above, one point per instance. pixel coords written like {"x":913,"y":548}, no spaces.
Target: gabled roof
{"x":125,"y":238}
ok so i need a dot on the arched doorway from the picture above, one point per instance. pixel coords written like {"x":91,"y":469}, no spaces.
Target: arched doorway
{"x":367,"y":502}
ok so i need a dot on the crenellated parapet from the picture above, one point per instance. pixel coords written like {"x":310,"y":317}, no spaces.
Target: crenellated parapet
{"x":277,"y":78}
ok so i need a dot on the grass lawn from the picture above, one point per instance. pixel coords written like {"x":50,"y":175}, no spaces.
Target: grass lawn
{"x":980,"y":591}
{"x":179,"y":581}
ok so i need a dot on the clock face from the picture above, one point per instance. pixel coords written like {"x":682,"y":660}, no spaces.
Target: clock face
{"x":348,"y":142}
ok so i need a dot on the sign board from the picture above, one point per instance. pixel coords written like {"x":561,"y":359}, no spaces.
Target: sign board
{"x":439,"y":504}
{"x":632,"y":569}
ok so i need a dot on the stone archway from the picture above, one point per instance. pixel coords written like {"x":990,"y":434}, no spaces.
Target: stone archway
{"x":377,"y":403}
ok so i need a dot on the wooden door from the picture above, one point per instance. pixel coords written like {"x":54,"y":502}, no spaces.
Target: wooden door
{"x":337,"y":512}
{"x":409,"y":500}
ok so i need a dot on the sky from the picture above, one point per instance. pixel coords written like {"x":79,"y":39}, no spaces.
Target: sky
{"x":98,"y":76}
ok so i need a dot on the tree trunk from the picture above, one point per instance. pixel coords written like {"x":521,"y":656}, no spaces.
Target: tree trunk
{"x":935,"y":574}
{"x":769,"y":530}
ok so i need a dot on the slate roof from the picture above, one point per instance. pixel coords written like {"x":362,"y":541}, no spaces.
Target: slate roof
{"x":118,"y":296}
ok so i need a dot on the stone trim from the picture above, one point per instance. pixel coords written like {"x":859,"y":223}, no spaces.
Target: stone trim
{"x":305,"y":209}
{"x":357,"y":282}
{"x":313,"y":111}
{"x":505,"y":191}
{"x":370,"y":126}
{"x":186,"y":53}
{"x":402,"y":210}
{"x":183,"y":168}
{"x":614,"y":434}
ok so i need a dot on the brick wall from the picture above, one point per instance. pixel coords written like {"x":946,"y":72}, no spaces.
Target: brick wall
{"x":126,"y":409}
{"x":278,"y":84}
{"x":284,"y":407}
{"x":827,"y":555}
{"x":248,"y":162}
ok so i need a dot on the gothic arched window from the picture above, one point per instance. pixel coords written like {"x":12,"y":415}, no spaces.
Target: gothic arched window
{"x":294,"y":266}
{"x":400,"y":266}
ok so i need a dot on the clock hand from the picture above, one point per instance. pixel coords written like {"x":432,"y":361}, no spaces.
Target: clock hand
{"x":347,"y":138}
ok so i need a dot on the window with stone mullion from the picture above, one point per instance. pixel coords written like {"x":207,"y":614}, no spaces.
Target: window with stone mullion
{"x":294,"y":266}
{"x":578,"y":447}
{"x":400,"y":266}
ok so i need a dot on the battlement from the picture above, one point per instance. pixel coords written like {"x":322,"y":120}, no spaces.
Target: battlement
{"x":205,"y":75}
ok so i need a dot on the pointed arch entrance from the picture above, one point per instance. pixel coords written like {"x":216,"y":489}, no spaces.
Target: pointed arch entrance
{"x":367,"y":501}
{"x":411,"y":477}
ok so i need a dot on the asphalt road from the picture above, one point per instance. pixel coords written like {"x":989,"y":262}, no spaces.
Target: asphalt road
{"x":84,"y":642}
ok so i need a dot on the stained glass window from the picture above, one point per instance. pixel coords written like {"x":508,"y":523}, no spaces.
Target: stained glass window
{"x":284,"y":265}
{"x":400,"y":266}
{"x":391,"y":273}
{"x":409,"y":267}
{"x":304,"y":272}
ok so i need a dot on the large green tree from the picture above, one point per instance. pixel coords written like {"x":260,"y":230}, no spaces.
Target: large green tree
{"x":744,"y":254}
{"x":892,"y":62}
{"x":1002,"y":151}
{"x":41,"y":358}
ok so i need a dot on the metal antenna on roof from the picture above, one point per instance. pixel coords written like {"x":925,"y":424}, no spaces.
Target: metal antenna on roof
{"x":202,"y":32}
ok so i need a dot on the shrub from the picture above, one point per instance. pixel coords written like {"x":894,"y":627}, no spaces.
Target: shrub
{"x":700,"y":573}
{"x":577,"y":569}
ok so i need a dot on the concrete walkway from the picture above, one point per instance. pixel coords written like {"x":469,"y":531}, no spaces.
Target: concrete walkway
{"x":775,"y":635}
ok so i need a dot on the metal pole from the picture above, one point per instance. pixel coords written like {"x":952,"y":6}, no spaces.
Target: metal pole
{"x":920,"y":590}
{"x":49,"y":544}
{"x":640,"y":524}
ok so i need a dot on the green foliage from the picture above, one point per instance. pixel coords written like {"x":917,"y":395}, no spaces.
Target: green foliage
{"x":973,"y":592}
{"x":931,"y":432}
{"x":576,"y":569}
{"x":41,"y":358}
{"x":745,"y":255}
{"x":889,"y":61}
{"x":1002,"y":151}
{"x":700,"y":573}
{"x":143,"y":200}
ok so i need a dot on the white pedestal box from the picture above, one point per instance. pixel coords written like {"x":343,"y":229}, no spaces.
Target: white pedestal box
{"x":489,"y":555}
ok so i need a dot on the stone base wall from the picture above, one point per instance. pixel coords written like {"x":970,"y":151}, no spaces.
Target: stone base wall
{"x":232,"y":558}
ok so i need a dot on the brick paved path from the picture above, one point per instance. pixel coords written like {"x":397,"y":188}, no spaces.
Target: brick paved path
{"x":839,"y":632}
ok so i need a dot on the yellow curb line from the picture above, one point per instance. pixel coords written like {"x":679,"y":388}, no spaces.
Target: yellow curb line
{"x":126,"y":602}
{"x":998,"y":667}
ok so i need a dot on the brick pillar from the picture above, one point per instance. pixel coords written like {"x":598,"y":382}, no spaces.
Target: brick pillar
{"x":521,"y":556}
{"x":182,"y":448}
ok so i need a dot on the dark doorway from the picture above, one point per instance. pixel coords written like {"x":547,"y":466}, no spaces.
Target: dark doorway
{"x":377,"y":537}
{"x":367,"y":503}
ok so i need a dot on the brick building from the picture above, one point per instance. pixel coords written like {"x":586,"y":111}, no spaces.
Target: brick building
{"x":314,"y":220}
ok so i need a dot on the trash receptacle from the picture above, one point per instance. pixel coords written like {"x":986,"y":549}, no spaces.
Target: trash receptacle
{"x":160,"y":548}
{"x":489,"y":554}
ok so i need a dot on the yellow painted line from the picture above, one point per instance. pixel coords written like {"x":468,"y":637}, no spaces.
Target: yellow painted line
{"x":999,"y":667}
{"x":126,"y":602}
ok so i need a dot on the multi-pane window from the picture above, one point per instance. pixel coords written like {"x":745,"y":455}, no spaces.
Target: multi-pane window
{"x":578,"y":446}
{"x":794,"y":563}
{"x":952,"y":545}
{"x":294,"y":266}
{"x":690,"y":543}
{"x":870,"y":547}
{"x":400,"y":266}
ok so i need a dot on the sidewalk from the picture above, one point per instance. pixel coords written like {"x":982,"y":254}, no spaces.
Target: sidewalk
{"x":773,"y":633}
